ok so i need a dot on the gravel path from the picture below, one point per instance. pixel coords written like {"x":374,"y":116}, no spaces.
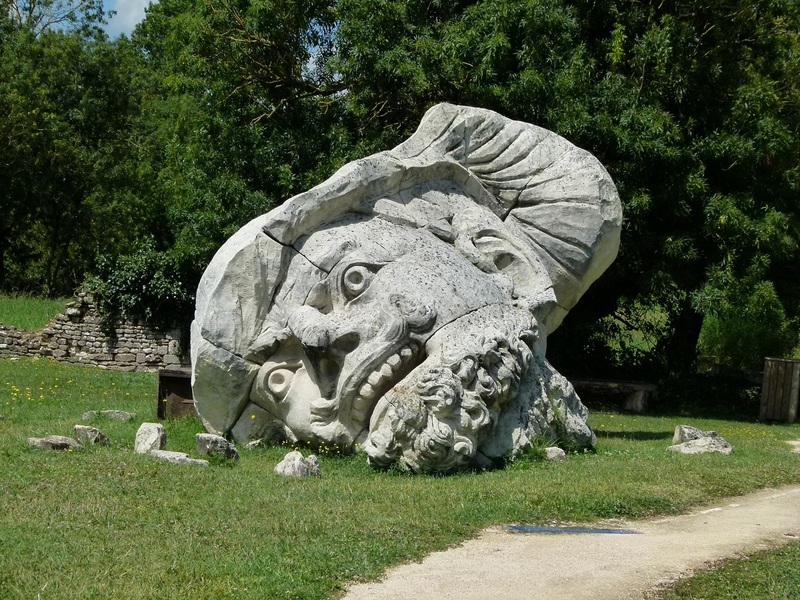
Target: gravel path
{"x":509,"y":566}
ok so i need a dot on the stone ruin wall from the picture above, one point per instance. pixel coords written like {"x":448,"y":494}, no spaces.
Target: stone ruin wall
{"x":77,"y":336}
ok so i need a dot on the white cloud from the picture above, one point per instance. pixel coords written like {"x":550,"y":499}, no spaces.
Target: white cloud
{"x":129,"y":13}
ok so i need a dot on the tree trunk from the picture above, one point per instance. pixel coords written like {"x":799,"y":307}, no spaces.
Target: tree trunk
{"x":681,"y":350}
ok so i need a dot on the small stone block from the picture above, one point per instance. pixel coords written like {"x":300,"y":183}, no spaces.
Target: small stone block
{"x":555,"y":453}
{"x":55,"y":442}
{"x":208,"y":444}
{"x":90,"y":435}
{"x":178,"y":458}
{"x":294,"y":465}
{"x":151,"y":436}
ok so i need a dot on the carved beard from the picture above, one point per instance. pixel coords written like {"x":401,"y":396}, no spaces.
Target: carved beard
{"x":437,"y":418}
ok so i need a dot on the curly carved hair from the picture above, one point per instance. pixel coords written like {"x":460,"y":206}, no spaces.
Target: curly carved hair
{"x":436,"y":421}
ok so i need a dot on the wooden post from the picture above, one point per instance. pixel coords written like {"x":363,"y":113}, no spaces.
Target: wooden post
{"x":780,"y":390}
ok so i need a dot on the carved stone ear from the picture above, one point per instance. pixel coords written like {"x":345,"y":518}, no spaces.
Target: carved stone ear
{"x":484,"y":240}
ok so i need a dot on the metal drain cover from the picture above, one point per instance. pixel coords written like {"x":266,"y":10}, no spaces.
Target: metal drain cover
{"x":540,"y":529}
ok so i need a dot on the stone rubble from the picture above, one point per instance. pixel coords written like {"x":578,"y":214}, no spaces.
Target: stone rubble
{"x":55,"y":442}
{"x":114,"y":415}
{"x":90,"y":435}
{"x":149,"y":437}
{"x":294,"y":465}
{"x":208,"y":444}
{"x":690,"y":440}
{"x":177,"y":458}
{"x":555,"y":453}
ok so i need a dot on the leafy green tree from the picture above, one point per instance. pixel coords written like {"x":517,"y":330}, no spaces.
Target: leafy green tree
{"x":65,"y":103}
{"x":692,"y":107}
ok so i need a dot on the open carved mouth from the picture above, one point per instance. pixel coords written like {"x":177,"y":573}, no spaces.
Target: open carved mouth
{"x":362,"y":390}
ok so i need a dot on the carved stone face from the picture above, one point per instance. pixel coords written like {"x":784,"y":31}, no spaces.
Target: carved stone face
{"x":383,"y":291}
{"x":404,"y":303}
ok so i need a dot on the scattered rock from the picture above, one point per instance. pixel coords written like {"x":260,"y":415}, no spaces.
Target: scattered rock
{"x":208,"y":444}
{"x":259,"y":443}
{"x":294,"y":465}
{"x":795,"y":446}
{"x":178,"y":458}
{"x":151,"y":436}
{"x":55,"y":442}
{"x":710,"y":443}
{"x":89,"y":435}
{"x":687,"y":433}
{"x":116,"y":415}
{"x":554,"y":453}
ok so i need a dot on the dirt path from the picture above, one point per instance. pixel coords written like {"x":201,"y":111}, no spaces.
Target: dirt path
{"x":510,"y":566}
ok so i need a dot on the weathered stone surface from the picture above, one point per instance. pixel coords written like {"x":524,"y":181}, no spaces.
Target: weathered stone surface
{"x":208,"y":444}
{"x":686,"y":433}
{"x":178,"y":458}
{"x":709,"y":443}
{"x":294,"y":465}
{"x":149,"y":437}
{"x":55,"y":442}
{"x":554,"y":453}
{"x":90,"y":435}
{"x":115,"y":415}
{"x":403,"y":306}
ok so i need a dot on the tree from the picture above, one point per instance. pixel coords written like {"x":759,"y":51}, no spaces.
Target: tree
{"x":66,"y":100}
{"x":687,"y":104}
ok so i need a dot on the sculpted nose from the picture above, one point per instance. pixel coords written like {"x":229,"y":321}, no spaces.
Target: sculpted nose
{"x":311,"y":327}
{"x":417,"y":314}
{"x":325,"y":346}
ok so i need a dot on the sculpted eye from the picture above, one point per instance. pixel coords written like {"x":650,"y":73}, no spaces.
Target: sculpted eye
{"x":356,"y":279}
{"x":279,"y":381}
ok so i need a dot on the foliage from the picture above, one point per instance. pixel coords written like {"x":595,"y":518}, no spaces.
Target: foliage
{"x":217,"y":110}
{"x":143,"y":286}
{"x":65,"y":100}
{"x":38,"y":16}
{"x":745,"y":321}
{"x":237,"y":531}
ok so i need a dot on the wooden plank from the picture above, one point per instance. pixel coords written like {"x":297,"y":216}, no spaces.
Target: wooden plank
{"x":773,"y":391}
{"x":766,"y":387}
{"x":786,"y":400}
{"x":780,"y":390}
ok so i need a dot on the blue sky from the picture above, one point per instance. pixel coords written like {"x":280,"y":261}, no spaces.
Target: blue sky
{"x":129,"y":13}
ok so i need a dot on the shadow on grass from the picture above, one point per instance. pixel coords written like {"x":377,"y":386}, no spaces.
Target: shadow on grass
{"x":635,"y":435}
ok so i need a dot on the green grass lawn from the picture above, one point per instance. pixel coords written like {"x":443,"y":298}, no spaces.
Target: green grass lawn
{"x":106,"y":522}
{"x":767,"y":575}
{"x":28,"y":313}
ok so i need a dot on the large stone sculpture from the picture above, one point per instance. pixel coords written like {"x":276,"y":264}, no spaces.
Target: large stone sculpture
{"x":402,"y":306}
